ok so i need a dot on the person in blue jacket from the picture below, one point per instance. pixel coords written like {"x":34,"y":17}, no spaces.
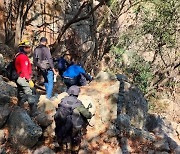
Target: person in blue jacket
{"x":75,"y":75}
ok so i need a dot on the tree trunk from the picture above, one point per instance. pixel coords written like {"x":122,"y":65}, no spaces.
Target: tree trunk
{"x":18,"y":31}
{"x":2,"y":29}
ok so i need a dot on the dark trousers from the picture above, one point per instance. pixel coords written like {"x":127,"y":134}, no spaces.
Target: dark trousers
{"x":70,"y":81}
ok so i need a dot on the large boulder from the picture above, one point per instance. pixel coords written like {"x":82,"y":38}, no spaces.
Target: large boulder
{"x":23,"y":131}
{"x":104,"y":76}
{"x":132,"y":103}
{"x":7,"y":89}
{"x":4,"y":99}
{"x":4,"y":113}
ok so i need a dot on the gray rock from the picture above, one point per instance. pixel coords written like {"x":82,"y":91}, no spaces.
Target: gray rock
{"x":2,"y":150}
{"x":4,"y":99}
{"x":104,"y":76}
{"x":123,"y":121}
{"x":4,"y":113}
{"x":151,"y":152}
{"x":121,"y":77}
{"x":162,"y":145}
{"x":45,"y":106}
{"x":43,"y":120}
{"x":177,"y":150}
{"x":161,"y":152}
{"x":2,"y":62}
{"x":132,"y":102}
{"x":152,"y":122}
{"x":2,"y":137}
{"x":126,"y":149}
{"x":23,"y":131}
{"x":6,"y":89}
{"x":44,"y":150}
{"x":173,"y":145}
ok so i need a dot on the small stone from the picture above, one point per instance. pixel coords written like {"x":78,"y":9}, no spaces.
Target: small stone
{"x":44,"y":150}
{"x":173,"y":145}
{"x":2,"y":137}
{"x":151,"y":152}
{"x":162,"y":145}
{"x":163,"y":152}
{"x":177,"y":150}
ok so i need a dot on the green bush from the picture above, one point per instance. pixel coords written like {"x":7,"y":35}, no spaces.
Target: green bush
{"x":140,"y":71}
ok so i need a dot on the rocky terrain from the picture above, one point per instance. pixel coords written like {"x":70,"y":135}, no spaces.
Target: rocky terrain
{"x":122,"y":123}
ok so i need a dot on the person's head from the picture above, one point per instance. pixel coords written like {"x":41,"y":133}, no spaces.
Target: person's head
{"x":43,"y":40}
{"x":74,"y":90}
{"x":25,"y":46}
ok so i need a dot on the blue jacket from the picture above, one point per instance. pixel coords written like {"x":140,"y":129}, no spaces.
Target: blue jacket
{"x":73,"y":71}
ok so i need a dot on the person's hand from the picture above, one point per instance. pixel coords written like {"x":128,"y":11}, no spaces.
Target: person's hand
{"x":55,"y":72}
{"x":31,"y":84}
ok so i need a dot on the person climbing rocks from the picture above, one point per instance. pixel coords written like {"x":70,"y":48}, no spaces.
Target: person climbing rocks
{"x":76,"y":75}
{"x":43,"y":61}
{"x":24,"y":83}
{"x":71,"y":118}
{"x":61,"y":64}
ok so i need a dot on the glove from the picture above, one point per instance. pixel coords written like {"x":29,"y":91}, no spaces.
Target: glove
{"x":31,"y":84}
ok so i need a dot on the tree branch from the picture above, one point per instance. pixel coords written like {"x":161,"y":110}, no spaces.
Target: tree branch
{"x":76,"y":19}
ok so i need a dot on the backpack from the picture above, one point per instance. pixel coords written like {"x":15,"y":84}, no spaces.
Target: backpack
{"x":67,"y":120}
{"x":42,"y":64}
{"x":62,"y":113}
{"x":10,"y":70}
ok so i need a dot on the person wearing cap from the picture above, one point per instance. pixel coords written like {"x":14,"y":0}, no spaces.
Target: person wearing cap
{"x":43,"y":61}
{"x":71,"y":117}
{"x":24,"y":71}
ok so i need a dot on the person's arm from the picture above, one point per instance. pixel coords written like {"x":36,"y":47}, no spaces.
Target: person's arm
{"x":50,"y":60}
{"x":85,"y":112}
{"x":87,"y":76}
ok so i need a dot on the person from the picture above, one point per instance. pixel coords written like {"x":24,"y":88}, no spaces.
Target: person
{"x":43,"y":61}
{"x":75,"y":75}
{"x":71,"y":117}
{"x":62,"y":65}
{"x":24,"y":83}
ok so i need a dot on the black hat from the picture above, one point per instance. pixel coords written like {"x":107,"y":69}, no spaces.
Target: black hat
{"x":43,"y":39}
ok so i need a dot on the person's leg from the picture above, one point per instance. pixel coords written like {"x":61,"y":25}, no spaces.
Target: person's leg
{"x":50,"y":77}
{"x":70,"y":82}
{"x":26,"y":95}
{"x":21,"y":96}
{"x":23,"y":89}
{"x":81,"y":80}
{"x":45,"y":74}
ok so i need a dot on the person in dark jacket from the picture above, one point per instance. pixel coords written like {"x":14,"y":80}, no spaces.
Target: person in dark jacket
{"x":43,"y":61}
{"x":61,"y":64}
{"x":75,"y":75}
{"x":71,"y":117}
{"x":24,"y":71}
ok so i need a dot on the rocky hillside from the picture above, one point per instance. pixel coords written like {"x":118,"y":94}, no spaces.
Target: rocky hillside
{"x":122,"y":123}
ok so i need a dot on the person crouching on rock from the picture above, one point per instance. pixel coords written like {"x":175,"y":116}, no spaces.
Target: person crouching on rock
{"x":75,"y":75}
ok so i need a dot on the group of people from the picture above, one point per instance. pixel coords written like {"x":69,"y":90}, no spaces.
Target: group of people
{"x":71,"y":114}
